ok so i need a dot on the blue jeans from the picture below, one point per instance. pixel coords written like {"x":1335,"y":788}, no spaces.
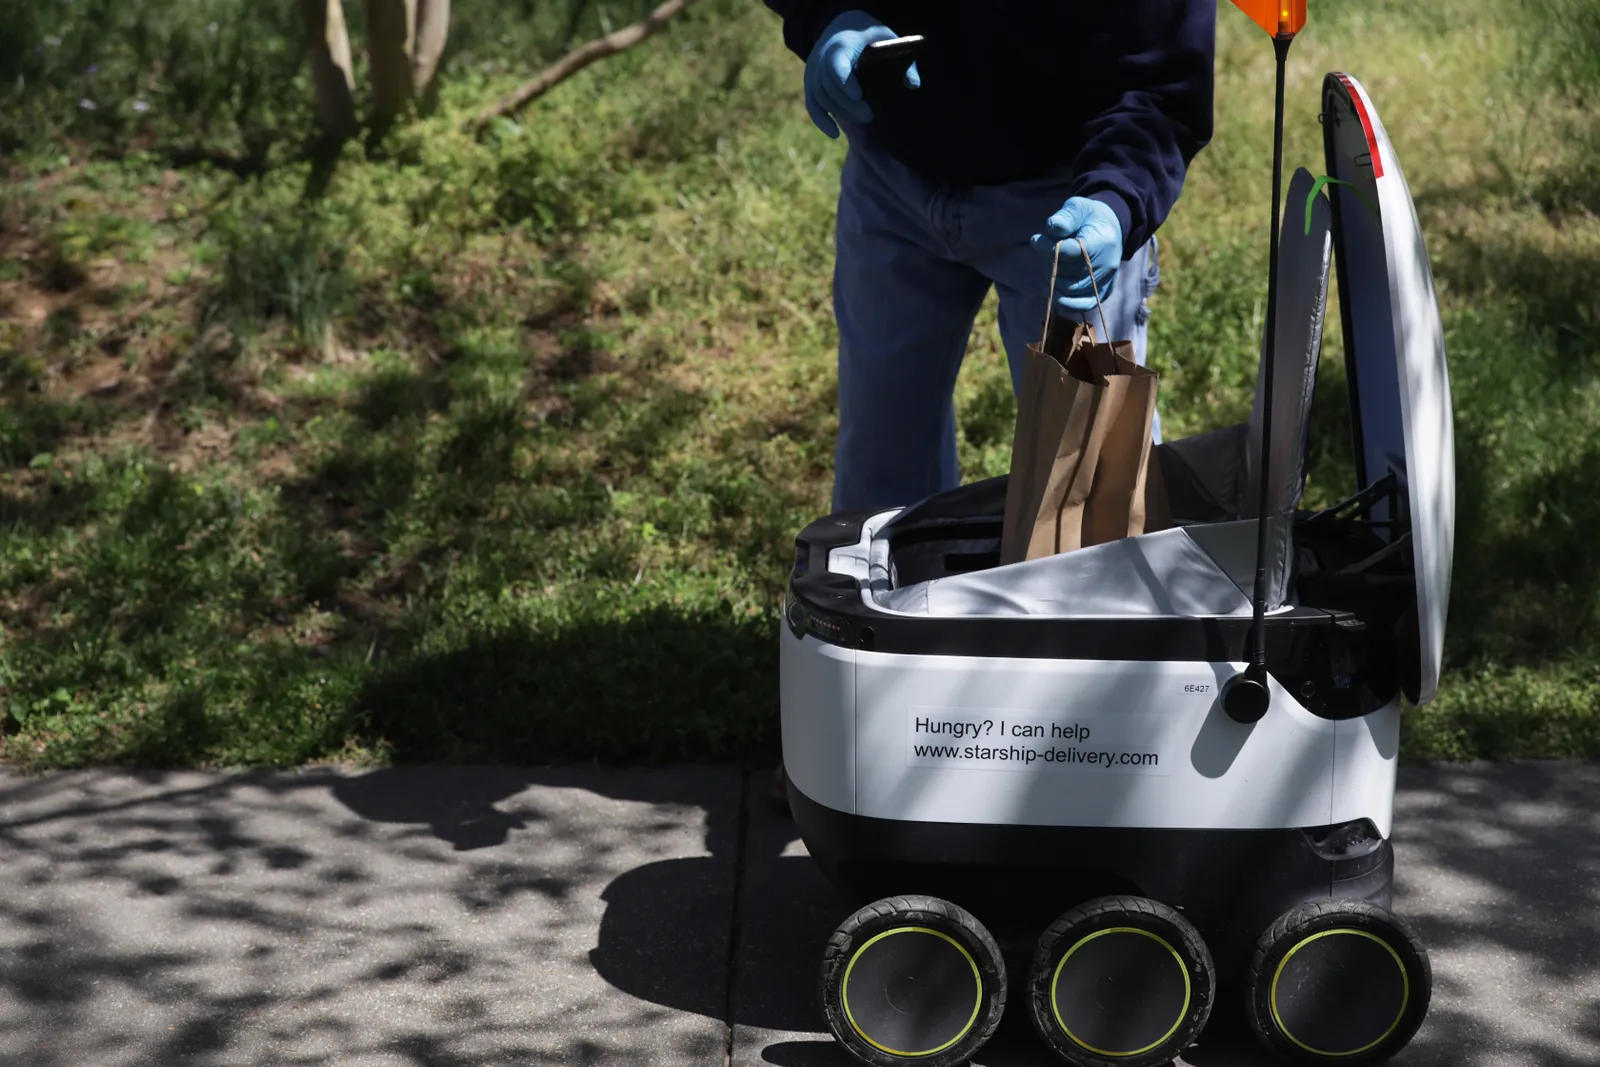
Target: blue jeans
{"x":914,"y":262}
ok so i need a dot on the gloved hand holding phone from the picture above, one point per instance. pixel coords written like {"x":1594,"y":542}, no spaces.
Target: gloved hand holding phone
{"x":832,"y":88}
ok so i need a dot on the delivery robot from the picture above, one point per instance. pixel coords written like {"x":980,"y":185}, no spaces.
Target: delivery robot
{"x":1030,"y":777}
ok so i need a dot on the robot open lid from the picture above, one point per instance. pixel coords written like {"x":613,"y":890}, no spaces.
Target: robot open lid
{"x":994,"y":752}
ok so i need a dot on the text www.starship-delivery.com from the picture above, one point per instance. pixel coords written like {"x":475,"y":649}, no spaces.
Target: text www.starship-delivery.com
{"x":982,"y":749}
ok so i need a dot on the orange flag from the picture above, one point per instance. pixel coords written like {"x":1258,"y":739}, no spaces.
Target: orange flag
{"x":1277,"y":17}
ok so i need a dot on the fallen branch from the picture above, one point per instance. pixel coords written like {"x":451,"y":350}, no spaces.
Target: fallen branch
{"x":576,"y":60}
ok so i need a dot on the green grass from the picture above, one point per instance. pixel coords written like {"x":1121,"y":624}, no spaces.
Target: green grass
{"x":496,"y":450}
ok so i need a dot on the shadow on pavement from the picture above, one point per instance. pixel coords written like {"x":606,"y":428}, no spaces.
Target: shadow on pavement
{"x":424,"y":917}
{"x":1499,"y":870}
{"x":469,"y":916}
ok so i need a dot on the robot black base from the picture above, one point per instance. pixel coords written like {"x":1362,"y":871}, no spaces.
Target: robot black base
{"x":1230,"y":884}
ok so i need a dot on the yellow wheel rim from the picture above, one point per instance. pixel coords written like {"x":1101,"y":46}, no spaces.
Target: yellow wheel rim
{"x":977,"y":978}
{"x":1188,"y":990}
{"x":1405,"y":992}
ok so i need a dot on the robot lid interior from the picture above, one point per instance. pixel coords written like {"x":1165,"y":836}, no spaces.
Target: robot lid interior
{"x":940,"y":556}
{"x":1395,"y":361}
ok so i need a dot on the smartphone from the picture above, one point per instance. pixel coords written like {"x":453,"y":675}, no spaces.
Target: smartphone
{"x":882,"y":67}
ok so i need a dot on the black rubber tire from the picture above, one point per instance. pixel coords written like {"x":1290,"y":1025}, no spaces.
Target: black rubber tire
{"x":914,"y":911}
{"x":1141,"y":913}
{"x":1292,"y":931}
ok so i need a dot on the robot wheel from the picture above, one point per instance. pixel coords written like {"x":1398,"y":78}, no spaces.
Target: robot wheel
{"x":912,"y":979}
{"x":1120,"y":980}
{"x":1338,"y":981}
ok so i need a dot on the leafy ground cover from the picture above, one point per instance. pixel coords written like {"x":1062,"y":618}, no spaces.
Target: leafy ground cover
{"x":494,"y":449}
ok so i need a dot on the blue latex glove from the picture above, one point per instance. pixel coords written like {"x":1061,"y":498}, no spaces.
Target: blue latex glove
{"x":831,"y":85}
{"x":1098,"y":227}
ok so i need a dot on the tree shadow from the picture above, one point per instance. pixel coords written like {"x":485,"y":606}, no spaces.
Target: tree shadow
{"x":33,"y":425}
{"x":1499,"y":871}
{"x":1519,"y":839}
{"x":40,"y":513}
{"x":1532,"y":599}
{"x":416,"y":442}
{"x":492,"y":914}
{"x":323,"y":915}
{"x":1557,"y":288}
{"x":652,"y":687}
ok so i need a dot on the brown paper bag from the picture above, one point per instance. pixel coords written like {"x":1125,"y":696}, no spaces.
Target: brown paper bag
{"x":1080,"y":456}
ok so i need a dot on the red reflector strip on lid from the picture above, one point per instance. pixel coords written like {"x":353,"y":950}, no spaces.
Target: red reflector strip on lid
{"x":1366,"y":124}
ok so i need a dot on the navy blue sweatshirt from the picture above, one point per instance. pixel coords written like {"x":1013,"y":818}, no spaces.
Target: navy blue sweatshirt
{"x":1119,"y":91}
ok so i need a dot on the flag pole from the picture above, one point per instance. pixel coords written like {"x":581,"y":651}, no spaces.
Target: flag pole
{"x":1246,"y":697}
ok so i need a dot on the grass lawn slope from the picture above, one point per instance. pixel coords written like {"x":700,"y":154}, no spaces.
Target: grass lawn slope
{"x":495,"y":450}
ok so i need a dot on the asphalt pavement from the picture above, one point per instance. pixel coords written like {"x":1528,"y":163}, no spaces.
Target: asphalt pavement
{"x":469,"y":917}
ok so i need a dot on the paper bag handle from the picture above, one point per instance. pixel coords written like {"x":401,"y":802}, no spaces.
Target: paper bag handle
{"x":1050,"y":300}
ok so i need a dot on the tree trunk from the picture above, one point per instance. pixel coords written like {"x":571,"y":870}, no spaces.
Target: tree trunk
{"x":433,"y":29}
{"x":332,"y":76}
{"x":391,"y":26}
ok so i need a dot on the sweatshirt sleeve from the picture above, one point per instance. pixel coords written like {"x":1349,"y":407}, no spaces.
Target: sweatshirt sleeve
{"x":804,"y":20}
{"x":1137,"y":152}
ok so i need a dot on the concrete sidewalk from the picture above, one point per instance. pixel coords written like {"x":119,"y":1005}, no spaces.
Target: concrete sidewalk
{"x":468,"y":917}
